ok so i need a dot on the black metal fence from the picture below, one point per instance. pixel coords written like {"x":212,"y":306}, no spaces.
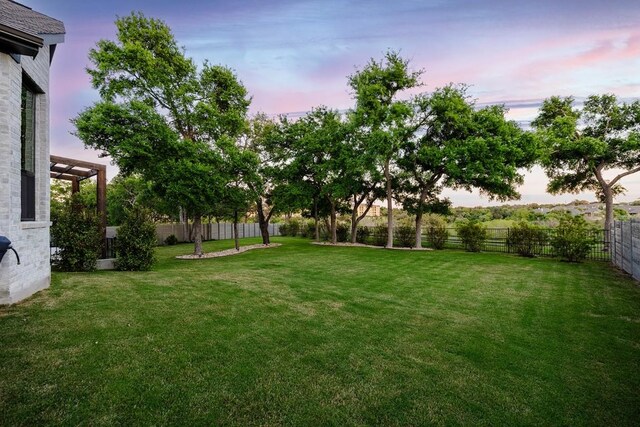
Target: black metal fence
{"x":497,"y":241}
{"x":110,"y":247}
{"x":498,"y":238}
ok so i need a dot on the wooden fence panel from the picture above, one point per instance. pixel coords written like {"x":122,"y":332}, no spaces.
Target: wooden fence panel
{"x":211,"y":231}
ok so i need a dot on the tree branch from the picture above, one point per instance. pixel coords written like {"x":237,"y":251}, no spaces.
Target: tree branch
{"x":599,"y":177}
{"x":623,"y":174}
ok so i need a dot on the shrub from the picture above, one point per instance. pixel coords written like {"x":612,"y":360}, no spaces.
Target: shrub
{"x":571,"y":240}
{"x":526,"y":239}
{"x":473,"y":235}
{"x":405,"y":236}
{"x":135,"y":245}
{"x":342,"y":232}
{"x":290,"y":228}
{"x":171,"y":240}
{"x":308,"y":229}
{"x":362,"y":234}
{"x":323,"y":231}
{"x":437,"y":233}
{"x":380,"y":235}
{"x":76,"y":234}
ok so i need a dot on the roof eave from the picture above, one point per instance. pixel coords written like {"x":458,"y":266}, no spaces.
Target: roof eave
{"x":14,"y":41}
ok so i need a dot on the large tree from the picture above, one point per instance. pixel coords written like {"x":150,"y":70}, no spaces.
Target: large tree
{"x":162,"y":117}
{"x":385,"y":119}
{"x":459,"y":146}
{"x":317,"y":162}
{"x":364,"y":181}
{"x":264,"y":137}
{"x":591,"y":148}
{"x":241,"y":164}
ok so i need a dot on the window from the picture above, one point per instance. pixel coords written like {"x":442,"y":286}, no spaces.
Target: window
{"x":28,"y":154}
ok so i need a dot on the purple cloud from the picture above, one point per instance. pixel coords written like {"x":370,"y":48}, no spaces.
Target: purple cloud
{"x":294,"y":55}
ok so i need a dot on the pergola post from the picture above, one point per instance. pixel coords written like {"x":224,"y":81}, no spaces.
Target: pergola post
{"x":101,"y":208}
{"x":75,"y":185}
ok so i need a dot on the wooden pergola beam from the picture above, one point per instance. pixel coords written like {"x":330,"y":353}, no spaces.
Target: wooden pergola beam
{"x":56,"y":175}
{"x":71,"y":171}
{"x":78,"y":163}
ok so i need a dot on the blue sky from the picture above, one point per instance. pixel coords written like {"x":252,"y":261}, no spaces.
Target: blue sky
{"x":294,"y":55}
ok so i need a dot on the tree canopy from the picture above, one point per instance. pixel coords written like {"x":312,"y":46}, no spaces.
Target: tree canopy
{"x":461,"y":146}
{"x":385,"y":120}
{"x":591,"y":148}
{"x":180,"y":131}
{"x":162,"y":117}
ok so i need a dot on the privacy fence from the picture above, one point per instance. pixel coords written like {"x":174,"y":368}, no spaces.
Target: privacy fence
{"x":210,"y":231}
{"x":625,"y":246}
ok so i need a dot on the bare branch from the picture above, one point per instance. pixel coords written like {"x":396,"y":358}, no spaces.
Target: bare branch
{"x":623,"y":174}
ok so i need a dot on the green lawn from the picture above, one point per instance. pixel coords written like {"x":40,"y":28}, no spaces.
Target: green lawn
{"x":308,"y":335}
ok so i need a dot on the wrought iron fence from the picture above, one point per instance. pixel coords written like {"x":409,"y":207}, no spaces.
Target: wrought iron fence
{"x":498,"y":241}
{"x":110,"y":247}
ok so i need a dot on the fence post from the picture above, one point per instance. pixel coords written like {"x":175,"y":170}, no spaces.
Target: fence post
{"x":636,"y":263}
{"x":631,"y":260}
{"x":612,"y":248}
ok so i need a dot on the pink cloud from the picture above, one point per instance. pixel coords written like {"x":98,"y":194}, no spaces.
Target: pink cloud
{"x":278,"y":101}
{"x":632,"y":47}
{"x":605,"y":52}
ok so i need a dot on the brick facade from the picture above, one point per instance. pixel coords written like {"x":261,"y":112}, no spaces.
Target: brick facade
{"x":29,"y":238}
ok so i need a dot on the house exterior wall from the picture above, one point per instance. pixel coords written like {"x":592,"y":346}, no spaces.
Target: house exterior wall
{"x":29,"y":238}
{"x":374,"y":211}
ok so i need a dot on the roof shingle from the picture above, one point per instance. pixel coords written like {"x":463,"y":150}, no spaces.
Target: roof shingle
{"x":23,"y":18}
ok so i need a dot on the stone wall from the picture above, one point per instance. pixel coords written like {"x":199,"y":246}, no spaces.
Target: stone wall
{"x":29,"y":238}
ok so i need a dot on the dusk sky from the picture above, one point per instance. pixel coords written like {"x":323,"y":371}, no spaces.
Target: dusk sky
{"x":294,"y":55}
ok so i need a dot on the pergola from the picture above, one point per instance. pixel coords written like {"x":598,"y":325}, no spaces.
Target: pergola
{"x":78,"y":170}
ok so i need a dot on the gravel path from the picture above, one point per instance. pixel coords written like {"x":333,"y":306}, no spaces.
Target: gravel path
{"x":228,"y":252}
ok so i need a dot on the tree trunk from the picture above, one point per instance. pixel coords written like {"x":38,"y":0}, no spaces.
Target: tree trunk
{"x":197,"y":231}
{"x":354,"y":224}
{"x":263,"y":223}
{"x":419,"y":213}
{"x":608,"y":217}
{"x":419,"y":229}
{"x":355,"y":219}
{"x":264,"y":232}
{"x":184,"y":220}
{"x":315,"y":220}
{"x":387,"y":176}
{"x":334,"y":234}
{"x":327,"y":225}
{"x":236,"y":238}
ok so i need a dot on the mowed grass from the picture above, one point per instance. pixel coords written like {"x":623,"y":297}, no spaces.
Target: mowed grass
{"x":309,"y":335}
